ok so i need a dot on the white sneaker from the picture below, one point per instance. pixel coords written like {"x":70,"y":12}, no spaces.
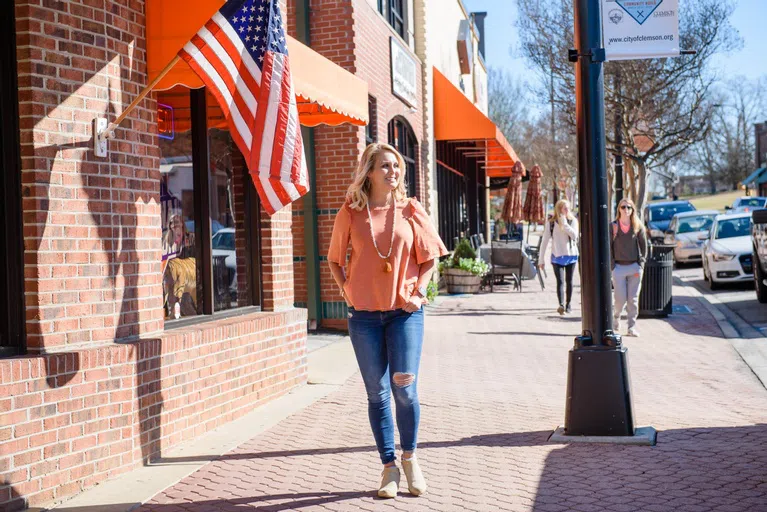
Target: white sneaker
{"x":616,"y":325}
{"x":633,"y":332}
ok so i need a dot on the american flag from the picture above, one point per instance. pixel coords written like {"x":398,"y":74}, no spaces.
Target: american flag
{"x":241,"y":55}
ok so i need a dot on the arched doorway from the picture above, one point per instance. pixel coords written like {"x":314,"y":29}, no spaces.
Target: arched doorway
{"x":402,"y":137}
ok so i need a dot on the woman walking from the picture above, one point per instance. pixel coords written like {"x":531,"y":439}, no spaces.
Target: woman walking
{"x":394,"y":251}
{"x":628,"y":254}
{"x":563,"y":233}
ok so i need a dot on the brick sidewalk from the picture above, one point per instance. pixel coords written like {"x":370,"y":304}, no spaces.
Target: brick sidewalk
{"x":492,"y":387}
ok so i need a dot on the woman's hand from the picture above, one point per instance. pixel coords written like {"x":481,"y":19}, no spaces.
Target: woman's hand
{"x":413,"y":304}
{"x":541,"y":265}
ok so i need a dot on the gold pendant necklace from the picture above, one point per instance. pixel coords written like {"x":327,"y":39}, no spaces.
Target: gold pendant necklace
{"x":387,"y":267}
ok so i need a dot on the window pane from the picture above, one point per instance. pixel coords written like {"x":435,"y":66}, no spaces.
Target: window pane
{"x":227,"y":176}
{"x":180,"y":273}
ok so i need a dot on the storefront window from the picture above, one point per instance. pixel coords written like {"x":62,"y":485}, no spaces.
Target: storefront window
{"x":371,"y":131}
{"x":179,"y":254}
{"x":401,"y":136}
{"x":209,"y":215}
{"x":395,"y":12}
{"x":12,"y":334}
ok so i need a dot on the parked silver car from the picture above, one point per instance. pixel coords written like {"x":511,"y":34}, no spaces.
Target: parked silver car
{"x":684,"y":232}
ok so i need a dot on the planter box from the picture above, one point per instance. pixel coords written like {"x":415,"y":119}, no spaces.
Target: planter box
{"x":461,"y":281}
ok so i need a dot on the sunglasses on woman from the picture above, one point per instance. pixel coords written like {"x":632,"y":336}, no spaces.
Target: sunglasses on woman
{"x":626,"y":207}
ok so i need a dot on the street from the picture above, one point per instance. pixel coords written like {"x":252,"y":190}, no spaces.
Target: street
{"x":737,"y":302}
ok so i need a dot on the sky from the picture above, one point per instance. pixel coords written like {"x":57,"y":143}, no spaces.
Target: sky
{"x":502,"y":44}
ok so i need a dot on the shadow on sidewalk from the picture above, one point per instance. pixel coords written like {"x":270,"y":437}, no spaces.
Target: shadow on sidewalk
{"x":516,"y":439}
{"x":689,"y":469}
{"x":293,"y":501}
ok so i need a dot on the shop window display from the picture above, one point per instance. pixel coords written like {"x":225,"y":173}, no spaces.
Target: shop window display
{"x":209,"y":215}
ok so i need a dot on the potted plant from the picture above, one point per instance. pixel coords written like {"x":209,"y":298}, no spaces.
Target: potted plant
{"x":463,"y":271}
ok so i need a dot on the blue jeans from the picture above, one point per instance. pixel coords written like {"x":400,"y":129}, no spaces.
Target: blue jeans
{"x":388,"y":343}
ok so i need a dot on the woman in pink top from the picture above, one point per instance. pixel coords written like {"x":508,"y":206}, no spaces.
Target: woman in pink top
{"x":394,"y":251}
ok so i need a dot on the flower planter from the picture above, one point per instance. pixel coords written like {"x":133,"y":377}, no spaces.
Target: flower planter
{"x":461,"y":281}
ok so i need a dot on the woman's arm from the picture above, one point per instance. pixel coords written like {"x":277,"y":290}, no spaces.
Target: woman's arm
{"x":544,"y":245}
{"x":339,"y":276}
{"x":425,"y":271}
{"x":572,"y":230}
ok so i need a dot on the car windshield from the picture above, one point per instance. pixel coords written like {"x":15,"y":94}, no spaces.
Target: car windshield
{"x":665,"y":212}
{"x":754,"y":202}
{"x":224,"y":240}
{"x":733,"y":227}
{"x":693,"y":224}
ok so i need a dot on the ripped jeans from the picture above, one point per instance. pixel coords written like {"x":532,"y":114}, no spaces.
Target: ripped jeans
{"x":388,"y":349}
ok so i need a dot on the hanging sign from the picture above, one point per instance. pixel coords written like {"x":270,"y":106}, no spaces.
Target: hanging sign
{"x":404,"y":74}
{"x":640,"y":29}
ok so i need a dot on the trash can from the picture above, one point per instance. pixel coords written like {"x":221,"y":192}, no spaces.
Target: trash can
{"x":655,"y":297}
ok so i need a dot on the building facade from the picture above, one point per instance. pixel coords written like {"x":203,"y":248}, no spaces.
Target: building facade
{"x":468,"y":154}
{"x":375,"y":41}
{"x":146,"y":296}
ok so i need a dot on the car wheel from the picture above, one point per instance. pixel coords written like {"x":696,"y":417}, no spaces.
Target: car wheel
{"x":761,"y":288}
{"x":713,"y":285}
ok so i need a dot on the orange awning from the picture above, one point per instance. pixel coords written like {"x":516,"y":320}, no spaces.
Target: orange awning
{"x":456,"y":118}
{"x":326,"y":93}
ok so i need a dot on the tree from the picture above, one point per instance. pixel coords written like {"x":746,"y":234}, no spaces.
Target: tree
{"x":530,"y":137}
{"x":726,"y":153}
{"x":660,"y":107}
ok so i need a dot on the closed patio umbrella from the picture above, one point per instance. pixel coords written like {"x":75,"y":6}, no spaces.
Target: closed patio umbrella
{"x":512,"y":204}
{"x":533,"y":211}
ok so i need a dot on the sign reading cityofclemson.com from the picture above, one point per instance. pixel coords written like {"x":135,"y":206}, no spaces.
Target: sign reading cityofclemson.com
{"x":640,"y":29}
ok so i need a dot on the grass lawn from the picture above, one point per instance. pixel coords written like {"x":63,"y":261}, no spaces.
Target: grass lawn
{"x":715,"y":202}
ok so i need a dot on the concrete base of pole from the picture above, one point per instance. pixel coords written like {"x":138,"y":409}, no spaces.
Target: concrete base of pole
{"x":644,"y":436}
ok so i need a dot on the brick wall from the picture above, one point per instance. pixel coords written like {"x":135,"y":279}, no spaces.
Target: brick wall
{"x":356,"y":37}
{"x":91,"y":226}
{"x":82,"y":408}
{"x":71,"y":420}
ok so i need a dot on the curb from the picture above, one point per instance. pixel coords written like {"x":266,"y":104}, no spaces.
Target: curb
{"x":752,"y":350}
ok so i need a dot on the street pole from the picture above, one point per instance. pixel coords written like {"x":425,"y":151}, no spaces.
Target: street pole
{"x":618,"y":144}
{"x":555,"y":190}
{"x":598,"y":393}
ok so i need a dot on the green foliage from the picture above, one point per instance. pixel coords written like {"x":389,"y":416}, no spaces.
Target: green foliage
{"x":432,"y":290}
{"x":463,"y":250}
{"x":475,"y":266}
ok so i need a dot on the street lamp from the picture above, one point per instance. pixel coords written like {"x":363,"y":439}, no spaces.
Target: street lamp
{"x":598,"y":392}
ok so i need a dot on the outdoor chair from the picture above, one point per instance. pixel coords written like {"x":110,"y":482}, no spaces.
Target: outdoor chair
{"x":506,"y":259}
{"x":535,"y":255}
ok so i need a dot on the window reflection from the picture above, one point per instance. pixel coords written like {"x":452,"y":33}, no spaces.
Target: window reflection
{"x":180,"y":273}
{"x":224,"y":208}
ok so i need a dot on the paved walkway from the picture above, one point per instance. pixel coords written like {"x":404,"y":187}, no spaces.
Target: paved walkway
{"x":492,"y":387}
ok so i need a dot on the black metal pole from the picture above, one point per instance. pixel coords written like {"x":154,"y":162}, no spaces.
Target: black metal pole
{"x":618,"y":145}
{"x":598,"y":394}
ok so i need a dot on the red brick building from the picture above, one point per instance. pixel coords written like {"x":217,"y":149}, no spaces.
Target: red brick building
{"x":146,"y":297}
{"x":374,"y":40}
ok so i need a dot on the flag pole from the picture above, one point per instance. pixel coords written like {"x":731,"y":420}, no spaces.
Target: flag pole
{"x":108,"y":133}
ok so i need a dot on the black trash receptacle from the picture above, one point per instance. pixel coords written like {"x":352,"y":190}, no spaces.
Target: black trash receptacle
{"x":657,"y":282}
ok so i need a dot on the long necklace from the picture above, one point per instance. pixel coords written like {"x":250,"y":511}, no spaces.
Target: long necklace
{"x":387,"y":259}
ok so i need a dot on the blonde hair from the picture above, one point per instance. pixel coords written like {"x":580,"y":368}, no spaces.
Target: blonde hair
{"x":359,"y":191}
{"x":558,"y":209}
{"x":636,"y":224}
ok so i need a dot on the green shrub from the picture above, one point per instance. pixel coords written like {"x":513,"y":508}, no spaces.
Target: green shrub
{"x":463,"y":250}
{"x":432,"y":290}
{"x":475,"y":266}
